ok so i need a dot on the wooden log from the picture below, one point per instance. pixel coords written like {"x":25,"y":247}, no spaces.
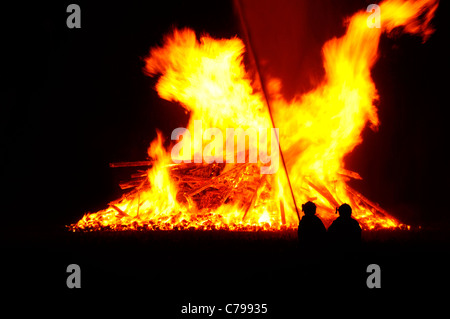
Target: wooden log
{"x":139,"y":204}
{"x":368,"y":202}
{"x":130,"y":164}
{"x":216,"y":178}
{"x":131,"y":184}
{"x":283,"y":216}
{"x":117,"y":209}
{"x":348,"y":173}
{"x":226,"y":196}
{"x":322,"y":190}
{"x":331,"y":211}
{"x":139,"y":175}
{"x":254,"y":195}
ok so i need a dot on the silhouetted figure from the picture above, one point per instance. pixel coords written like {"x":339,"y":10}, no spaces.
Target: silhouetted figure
{"x":345,"y":233}
{"x":311,"y":231}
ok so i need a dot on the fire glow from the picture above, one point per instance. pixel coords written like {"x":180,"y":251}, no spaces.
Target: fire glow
{"x":207,"y":77}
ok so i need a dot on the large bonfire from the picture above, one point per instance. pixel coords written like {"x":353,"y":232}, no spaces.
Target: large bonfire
{"x":207,"y":77}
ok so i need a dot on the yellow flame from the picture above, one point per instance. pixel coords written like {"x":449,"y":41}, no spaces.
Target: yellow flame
{"x":208,"y":78}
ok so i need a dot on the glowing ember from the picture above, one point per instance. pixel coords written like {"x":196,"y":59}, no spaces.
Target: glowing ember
{"x":316,"y":131}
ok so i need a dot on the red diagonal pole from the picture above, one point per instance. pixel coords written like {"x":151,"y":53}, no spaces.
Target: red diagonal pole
{"x":263,"y":87}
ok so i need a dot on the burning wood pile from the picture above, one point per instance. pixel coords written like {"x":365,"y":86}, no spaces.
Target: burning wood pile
{"x":196,"y":185}
{"x":202,"y":188}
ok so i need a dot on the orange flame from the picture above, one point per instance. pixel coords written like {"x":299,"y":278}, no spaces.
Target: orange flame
{"x":208,"y":78}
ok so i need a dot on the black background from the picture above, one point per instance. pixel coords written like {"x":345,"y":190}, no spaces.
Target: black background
{"x":74,"y":100}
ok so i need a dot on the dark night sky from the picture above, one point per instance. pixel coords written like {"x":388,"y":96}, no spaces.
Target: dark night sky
{"x":75,"y":100}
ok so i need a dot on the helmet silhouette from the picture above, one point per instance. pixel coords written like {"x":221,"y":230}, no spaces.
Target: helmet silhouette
{"x":345,"y":210}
